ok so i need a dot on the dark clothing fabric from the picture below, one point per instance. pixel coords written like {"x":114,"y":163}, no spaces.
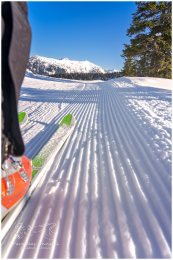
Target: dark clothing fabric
{"x":16,"y":38}
{"x":20,"y":44}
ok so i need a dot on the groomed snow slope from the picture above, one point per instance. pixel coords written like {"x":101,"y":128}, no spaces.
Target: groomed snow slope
{"x":108,"y":191}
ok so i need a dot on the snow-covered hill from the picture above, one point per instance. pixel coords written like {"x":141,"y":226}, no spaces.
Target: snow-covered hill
{"x":107,"y":193}
{"x":50,"y":66}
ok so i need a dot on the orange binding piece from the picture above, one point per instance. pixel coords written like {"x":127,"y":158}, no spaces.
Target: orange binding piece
{"x":15,"y":183}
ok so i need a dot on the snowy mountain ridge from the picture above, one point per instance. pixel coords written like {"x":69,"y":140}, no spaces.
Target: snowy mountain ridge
{"x":51,"y":66}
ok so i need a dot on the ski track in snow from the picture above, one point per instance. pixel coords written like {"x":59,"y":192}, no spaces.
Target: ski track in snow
{"x":108,"y":191}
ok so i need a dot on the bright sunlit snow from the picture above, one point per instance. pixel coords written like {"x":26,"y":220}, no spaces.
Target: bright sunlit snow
{"x":107,"y":193}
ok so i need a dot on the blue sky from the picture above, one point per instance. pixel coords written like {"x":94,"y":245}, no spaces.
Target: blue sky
{"x":94,"y":31}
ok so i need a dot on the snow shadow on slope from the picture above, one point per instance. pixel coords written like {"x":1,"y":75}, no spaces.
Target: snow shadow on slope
{"x":59,"y":96}
{"x":37,"y":142}
{"x":147,"y":93}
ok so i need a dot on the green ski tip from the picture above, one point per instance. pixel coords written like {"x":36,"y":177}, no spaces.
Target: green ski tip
{"x":34,"y":172}
{"x":21,"y":116}
{"x":39,"y":160}
{"x":67,"y":120}
{"x":37,"y":163}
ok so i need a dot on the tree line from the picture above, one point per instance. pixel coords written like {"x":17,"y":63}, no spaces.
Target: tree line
{"x":88,"y":76}
{"x":149,"y":52}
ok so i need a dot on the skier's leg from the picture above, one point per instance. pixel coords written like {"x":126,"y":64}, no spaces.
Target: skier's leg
{"x":15,"y":53}
{"x":16,"y":172}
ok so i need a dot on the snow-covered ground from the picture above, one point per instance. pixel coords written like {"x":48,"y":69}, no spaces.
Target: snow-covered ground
{"x":108,"y":191}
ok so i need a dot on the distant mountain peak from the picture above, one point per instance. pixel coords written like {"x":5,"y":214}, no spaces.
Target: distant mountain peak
{"x":50,"y":66}
{"x":65,"y":58}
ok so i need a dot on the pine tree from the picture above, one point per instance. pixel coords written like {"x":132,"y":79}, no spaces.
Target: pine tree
{"x":149,"y":51}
